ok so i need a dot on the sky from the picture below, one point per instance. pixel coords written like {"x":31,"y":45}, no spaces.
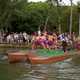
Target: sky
{"x":63,"y":1}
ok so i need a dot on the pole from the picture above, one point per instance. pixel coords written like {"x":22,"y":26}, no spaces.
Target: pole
{"x":70,"y":29}
{"x":59,"y":21}
{"x":59,"y":27}
{"x":79,"y":24}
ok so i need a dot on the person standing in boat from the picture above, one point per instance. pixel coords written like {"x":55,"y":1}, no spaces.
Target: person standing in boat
{"x":64,"y":42}
{"x":62,"y":39}
{"x":38,"y":40}
{"x":50,"y":41}
{"x":45,"y":40}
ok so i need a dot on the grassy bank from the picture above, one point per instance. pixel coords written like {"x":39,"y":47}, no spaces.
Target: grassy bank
{"x":15,"y":45}
{"x":4,"y":48}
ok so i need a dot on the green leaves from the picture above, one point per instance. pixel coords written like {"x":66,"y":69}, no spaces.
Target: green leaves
{"x":19,"y":15}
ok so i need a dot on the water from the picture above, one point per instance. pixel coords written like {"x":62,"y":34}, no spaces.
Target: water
{"x":65,"y":70}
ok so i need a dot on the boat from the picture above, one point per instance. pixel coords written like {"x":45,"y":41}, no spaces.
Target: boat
{"x":14,"y":57}
{"x":39,"y":56}
{"x":47,"y":56}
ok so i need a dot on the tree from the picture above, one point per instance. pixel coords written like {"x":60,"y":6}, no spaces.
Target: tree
{"x":56,"y":2}
{"x":12,"y":7}
{"x":79,"y":16}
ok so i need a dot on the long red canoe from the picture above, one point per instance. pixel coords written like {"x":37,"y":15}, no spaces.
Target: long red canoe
{"x":47,"y":60}
{"x":40,"y":56}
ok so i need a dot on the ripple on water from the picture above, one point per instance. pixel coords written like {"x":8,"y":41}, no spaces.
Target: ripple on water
{"x":65,"y":70}
{"x":38,"y":72}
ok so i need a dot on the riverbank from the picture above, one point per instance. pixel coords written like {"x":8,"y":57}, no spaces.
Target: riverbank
{"x":4,"y":48}
{"x":5,"y":45}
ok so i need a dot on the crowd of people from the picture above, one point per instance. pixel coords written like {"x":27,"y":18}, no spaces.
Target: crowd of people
{"x":13,"y":38}
{"x":51,"y":40}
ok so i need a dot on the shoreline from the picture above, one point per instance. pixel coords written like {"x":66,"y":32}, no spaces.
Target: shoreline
{"x":6,"y":45}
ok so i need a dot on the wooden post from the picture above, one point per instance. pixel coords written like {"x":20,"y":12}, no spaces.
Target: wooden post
{"x":79,"y":24}
{"x":70,"y":29}
{"x":59,"y":21}
{"x":60,"y":28}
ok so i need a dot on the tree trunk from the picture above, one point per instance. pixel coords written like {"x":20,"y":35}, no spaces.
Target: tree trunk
{"x":70,"y":29}
{"x":79,"y":24}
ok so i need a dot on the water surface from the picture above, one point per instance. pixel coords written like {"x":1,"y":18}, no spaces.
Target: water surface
{"x":65,"y":70}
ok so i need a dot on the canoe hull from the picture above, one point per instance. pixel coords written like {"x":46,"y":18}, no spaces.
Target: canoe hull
{"x":35,"y":59}
{"x":16,"y":57}
{"x":38,"y":60}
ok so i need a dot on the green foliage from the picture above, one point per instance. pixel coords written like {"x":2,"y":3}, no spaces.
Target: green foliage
{"x":19,"y":15}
